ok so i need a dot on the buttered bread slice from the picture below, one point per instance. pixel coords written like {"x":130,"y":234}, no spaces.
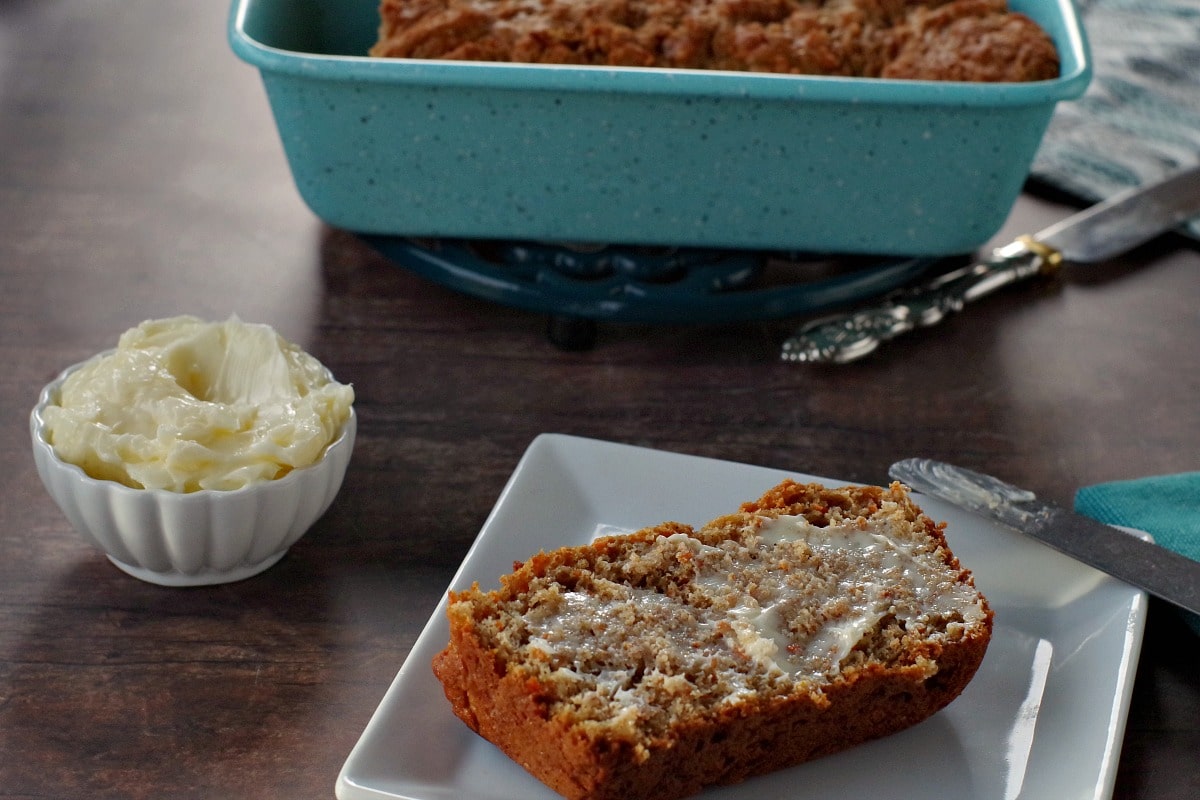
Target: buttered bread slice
{"x":653,"y":664}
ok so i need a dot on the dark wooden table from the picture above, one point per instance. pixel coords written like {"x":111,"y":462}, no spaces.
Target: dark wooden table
{"x":141,"y":176}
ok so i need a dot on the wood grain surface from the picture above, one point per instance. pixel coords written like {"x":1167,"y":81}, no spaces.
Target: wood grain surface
{"x":141,"y":175}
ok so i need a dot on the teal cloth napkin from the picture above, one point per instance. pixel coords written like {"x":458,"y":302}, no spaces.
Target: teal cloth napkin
{"x":1165,"y":506}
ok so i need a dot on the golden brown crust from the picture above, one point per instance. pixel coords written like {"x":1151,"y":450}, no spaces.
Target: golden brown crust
{"x":791,"y":732}
{"x":966,"y":40}
{"x":969,"y":41}
{"x":513,"y":705}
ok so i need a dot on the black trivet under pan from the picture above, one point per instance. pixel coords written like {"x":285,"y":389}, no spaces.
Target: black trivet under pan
{"x":578,"y":286}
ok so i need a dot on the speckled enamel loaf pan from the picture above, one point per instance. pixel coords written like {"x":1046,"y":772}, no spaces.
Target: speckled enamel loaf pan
{"x":644,"y":156}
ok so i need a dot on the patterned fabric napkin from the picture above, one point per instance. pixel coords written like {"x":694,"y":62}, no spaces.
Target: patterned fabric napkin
{"x":1166,"y":506}
{"x":1139,"y":119}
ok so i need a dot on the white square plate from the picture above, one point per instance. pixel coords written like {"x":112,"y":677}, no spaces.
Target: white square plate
{"x":1043,"y":717}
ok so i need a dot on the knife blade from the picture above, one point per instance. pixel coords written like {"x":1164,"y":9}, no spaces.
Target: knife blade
{"x":1138,"y":562}
{"x":1125,"y":220}
{"x":1115,"y":226}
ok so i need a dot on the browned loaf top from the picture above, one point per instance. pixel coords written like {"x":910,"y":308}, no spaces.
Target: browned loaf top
{"x":963,"y":40}
{"x":654,"y":664}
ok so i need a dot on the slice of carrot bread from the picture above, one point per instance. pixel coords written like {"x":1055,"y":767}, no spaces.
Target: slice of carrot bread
{"x":653,"y":664}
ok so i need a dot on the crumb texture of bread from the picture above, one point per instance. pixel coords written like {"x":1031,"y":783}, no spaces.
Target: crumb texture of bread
{"x":654,"y":664}
{"x":959,"y":40}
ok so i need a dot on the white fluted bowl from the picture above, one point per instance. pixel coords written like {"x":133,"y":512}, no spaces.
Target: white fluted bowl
{"x":194,"y":539}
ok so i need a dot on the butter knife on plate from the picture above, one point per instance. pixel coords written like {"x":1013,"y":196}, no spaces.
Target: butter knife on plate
{"x":1141,"y":563}
{"x":1105,"y":230}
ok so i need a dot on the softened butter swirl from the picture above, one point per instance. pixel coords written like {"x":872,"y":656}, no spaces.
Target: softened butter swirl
{"x":183,"y":404}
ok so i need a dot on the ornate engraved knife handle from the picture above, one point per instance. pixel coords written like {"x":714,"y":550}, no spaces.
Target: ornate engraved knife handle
{"x":843,"y":338}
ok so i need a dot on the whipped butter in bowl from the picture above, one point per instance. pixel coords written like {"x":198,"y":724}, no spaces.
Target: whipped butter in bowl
{"x":194,"y":452}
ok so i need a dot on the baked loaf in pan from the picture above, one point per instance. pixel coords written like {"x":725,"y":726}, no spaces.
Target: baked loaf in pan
{"x":653,"y":664}
{"x":960,"y":40}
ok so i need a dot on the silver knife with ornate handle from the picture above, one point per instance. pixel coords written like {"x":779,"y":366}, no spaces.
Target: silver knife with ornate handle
{"x":1157,"y":570}
{"x":1107,"y":229}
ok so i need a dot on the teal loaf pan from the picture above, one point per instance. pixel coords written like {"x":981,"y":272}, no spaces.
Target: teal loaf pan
{"x":689,"y":158}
